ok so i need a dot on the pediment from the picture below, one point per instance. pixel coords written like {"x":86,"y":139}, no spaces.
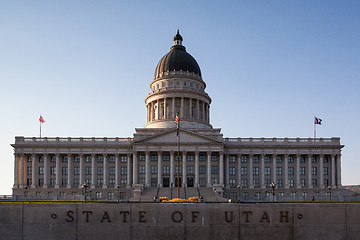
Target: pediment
{"x":186,"y":137}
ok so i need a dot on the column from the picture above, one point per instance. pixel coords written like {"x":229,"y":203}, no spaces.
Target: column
{"x":286,"y":174}
{"x":297,"y":171}
{"x":274,"y":168}
{"x":165,"y":110}
{"x":117,"y":169}
{"x":128,"y":171}
{"x":197,"y":109}
{"x":159,"y":170}
{"x":106,"y":172}
{"x":93,"y":171}
{"x":158,"y":109}
{"x":184,"y":168}
{"x":208,"y":170}
{"x":309,"y":171}
{"x":182,"y":108}
{"x":227,"y":169}
{"x":70,"y":172}
{"x":46,"y":171}
{"x":16,"y":172}
{"x":196,"y":169}
{"x":321,"y":170}
{"x":251,"y":178}
{"x":190,"y":108}
{"x":333,"y":184}
{"x":238,"y":159}
{"x":262,"y":171}
{"x":135,"y":168}
{"x":35,"y":171}
{"x":82,"y":170}
{"x":147,"y":169}
{"x":172,"y":168}
{"x":173,"y":108}
{"x":203,"y":111}
{"x":22,"y":170}
{"x":58,"y":172}
{"x":339,"y":171}
{"x":147,"y":112}
{"x":221,"y":167}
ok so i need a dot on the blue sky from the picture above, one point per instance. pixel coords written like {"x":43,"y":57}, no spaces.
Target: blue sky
{"x":270,"y":66}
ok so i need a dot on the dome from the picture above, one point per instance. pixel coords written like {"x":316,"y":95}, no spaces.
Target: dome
{"x":177,"y":60}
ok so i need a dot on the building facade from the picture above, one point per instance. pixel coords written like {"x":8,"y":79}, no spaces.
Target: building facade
{"x":123,"y":168}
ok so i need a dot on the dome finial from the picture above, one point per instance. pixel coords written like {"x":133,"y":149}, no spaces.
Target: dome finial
{"x":178,"y":38}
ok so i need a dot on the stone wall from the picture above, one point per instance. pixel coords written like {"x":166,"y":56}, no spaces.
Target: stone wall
{"x":32,"y":221}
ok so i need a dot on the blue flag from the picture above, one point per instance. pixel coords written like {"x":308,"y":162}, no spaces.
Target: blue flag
{"x":318,"y":121}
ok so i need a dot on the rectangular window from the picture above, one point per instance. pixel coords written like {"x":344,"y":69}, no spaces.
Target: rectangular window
{"x":100,"y":171}
{"x":142,"y":180}
{"x":202,"y":169}
{"x":65,"y":159}
{"x":176,"y":169}
{"x":291,"y":182}
{"x":290,"y":159}
{"x":325,"y":160}
{"x":52,"y":182}
{"x":123,"y":170}
{"x":98,"y":195}
{"x":153,"y":182}
{"x":141,"y":157}
{"x":202,"y":182}
{"x":232,"y":182}
{"x":153,"y":158}
{"x":41,"y":170}
{"x":153,"y":169}
{"x":166,"y":169}
{"x":142,"y":169}
{"x":76,"y":170}
{"x":111,"y":170}
{"x":123,"y":159}
{"x":77,"y":159}
{"x":190,"y":169}
{"x":256,"y":182}
{"x":88,"y":159}
{"x":99,"y":182}
{"x":244,"y":183}
{"x":190,"y":158}
{"x":267,"y":159}
{"x":76,"y":182}
{"x":279,"y":182}
{"x":202,"y":158}
{"x":255,"y":159}
{"x":88,"y":181}
{"x":123,"y":182}
{"x":279,"y":171}
{"x":255,"y":171}
{"x":290,"y":171}
{"x":111,"y":182}
{"x":110,"y":195}
{"x":177,"y":157}
{"x":232,"y":171}
{"x":267,"y":182}
{"x":214,"y":169}
{"x":313,"y":159}
{"x":314,"y":182}
{"x":326,"y":171}
{"x":244,"y":171}
{"x":278,"y":159}
{"x":302,"y":182}
{"x":41,"y":158}
{"x":88,"y":171}
{"x":100,"y":159}
{"x":29,"y":170}
{"x":166,"y":157}
{"x":232,"y":159}
{"x":29,"y":159}
{"x":326,"y":182}
{"x":111,"y":159}
{"x":302,"y":170}
{"x":293,"y":194}
{"x":302,"y":160}
{"x":53,"y":159}
{"x":41,"y":182}
{"x":214,"y":181}
{"x":64,"y":171}
{"x":267,"y":171}
{"x":314,"y":171}
{"x":53,"y":170}
{"x":244,"y":159}
{"x":64,"y":182}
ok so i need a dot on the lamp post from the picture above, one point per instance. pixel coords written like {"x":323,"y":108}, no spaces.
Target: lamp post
{"x":239,"y":187}
{"x":273,"y":186}
{"x":329,"y":187}
{"x":25,"y":192}
{"x":84,"y":187}
{"x":118,"y":188}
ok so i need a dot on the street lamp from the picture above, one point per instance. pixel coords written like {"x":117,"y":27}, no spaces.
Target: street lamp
{"x":273,"y":186}
{"x":118,"y":187}
{"x":84,"y":187}
{"x":25,"y":192}
{"x":329,"y":187}
{"x":239,"y":187}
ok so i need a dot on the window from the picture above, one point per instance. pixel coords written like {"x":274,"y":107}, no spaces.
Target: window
{"x":244,"y":159}
{"x":153,"y":182}
{"x":123,"y":182}
{"x":267,"y":159}
{"x":88,"y":181}
{"x":184,"y":84}
{"x":88,"y":171}
{"x":293,"y":194}
{"x":153,"y":169}
{"x":232,"y":159}
{"x":111,"y":170}
{"x":202,"y":169}
{"x":279,"y":171}
{"x":141,"y":157}
{"x":244,"y":171}
{"x":100,"y":171}
{"x":291,"y":182}
{"x":52,"y":182}
{"x":214,"y":181}
{"x":53,"y":170}
{"x":177,"y":157}
{"x":267,"y":171}
{"x":64,"y":182}
{"x":244,"y":183}
{"x":202,"y":182}
{"x":123,"y":171}
{"x":41,"y":170}
{"x":166,"y":169}
{"x":98,"y":195}
{"x":302,"y":182}
{"x":278,"y":159}
{"x":110,"y":195}
{"x":176,"y":169}
{"x":53,"y":159}
{"x":111,"y":182}
{"x":76,"y":182}
{"x":76,"y":170}
{"x":256,"y":182}
{"x":326,"y":182}
{"x":290,"y":159}
{"x":232,"y":171}
{"x":166,"y":157}
{"x":314,"y":171}
{"x":214,"y":169}
{"x":190,"y":169}
{"x":290,"y":171}
{"x":41,"y":182}
{"x":153,"y":158}
{"x":190,"y":158}
{"x":313,"y":159}
{"x":65,"y":159}
{"x":29,"y":159}
{"x":88,"y":159}
{"x":304,"y":194}
{"x":281,"y":194}
{"x":141,"y":169}
{"x":141,"y":180}
{"x":279,"y":182}
{"x":314,"y":182}
{"x":41,"y":158}
{"x":77,"y":159}
{"x":29,"y":170}
{"x":100,"y":159}
{"x":123,"y":159}
{"x":255,"y":159}
{"x":111,"y":159}
{"x":99,"y":182}
{"x":202,"y":158}
{"x":214,"y":158}
{"x":325,"y":160}
{"x":267,"y":182}
{"x":232,"y":182}
{"x":326,"y":171}
{"x":302,"y":170}
{"x":64,"y":170}
{"x":255,"y":171}
{"x":302,"y":160}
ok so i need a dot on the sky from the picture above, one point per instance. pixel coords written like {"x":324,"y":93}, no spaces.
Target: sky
{"x":269,"y":66}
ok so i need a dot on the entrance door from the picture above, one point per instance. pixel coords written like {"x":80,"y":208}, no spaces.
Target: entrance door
{"x":190,"y":182}
{"x":176,"y":181}
{"x":166,"y":182}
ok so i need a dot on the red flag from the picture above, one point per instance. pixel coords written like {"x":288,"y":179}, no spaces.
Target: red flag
{"x":41,"y":119}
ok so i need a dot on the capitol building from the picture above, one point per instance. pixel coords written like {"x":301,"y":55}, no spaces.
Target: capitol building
{"x":146,"y":166}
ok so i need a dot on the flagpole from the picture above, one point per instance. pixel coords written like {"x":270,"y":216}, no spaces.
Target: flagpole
{"x":314,"y":129}
{"x":178,"y":166}
{"x":40,"y":130}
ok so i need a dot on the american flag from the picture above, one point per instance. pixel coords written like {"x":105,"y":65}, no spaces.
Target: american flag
{"x":177,"y":120}
{"x":41,"y":119}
